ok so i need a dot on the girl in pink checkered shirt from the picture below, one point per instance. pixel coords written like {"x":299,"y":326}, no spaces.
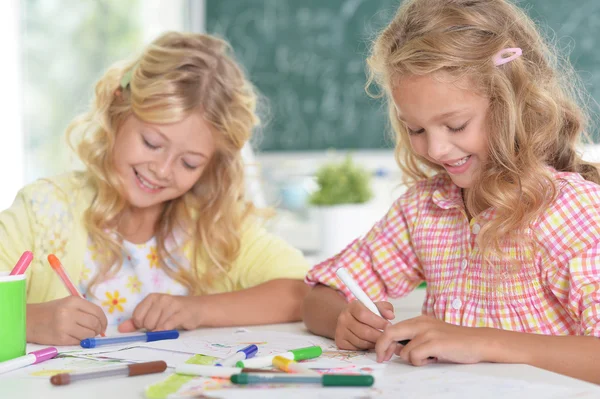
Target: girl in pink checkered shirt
{"x":503,"y":221}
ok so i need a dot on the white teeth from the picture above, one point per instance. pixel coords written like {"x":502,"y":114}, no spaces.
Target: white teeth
{"x":145,"y":182}
{"x":461,"y":162}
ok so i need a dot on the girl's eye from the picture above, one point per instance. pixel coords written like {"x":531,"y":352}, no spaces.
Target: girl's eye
{"x":413,"y":132}
{"x":149,"y":145}
{"x":457,"y":129}
{"x":188,"y":166}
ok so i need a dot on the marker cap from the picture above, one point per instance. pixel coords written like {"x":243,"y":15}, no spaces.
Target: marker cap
{"x":310,"y":352}
{"x":341,"y":380}
{"x":44,"y":354}
{"x":249,"y":351}
{"x":160,"y":335}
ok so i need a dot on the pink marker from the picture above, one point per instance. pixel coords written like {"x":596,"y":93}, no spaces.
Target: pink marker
{"x":30,"y":358}
{"x":22,"y":264}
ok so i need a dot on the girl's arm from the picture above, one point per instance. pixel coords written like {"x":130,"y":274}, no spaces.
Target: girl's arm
{"x":575,"y":356}
{"x":275,"y":301}
{"x":431,"y":339}
{"x":321,"y":310}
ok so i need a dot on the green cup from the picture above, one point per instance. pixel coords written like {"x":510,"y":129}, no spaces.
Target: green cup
{"x":13,"y":302}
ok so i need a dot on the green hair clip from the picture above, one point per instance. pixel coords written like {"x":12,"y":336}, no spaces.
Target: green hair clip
{"x":126,"y":79}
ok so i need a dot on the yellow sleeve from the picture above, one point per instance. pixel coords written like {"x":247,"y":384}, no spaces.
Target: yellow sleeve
{"x":264,"y":257}
{"x":16,"y":234}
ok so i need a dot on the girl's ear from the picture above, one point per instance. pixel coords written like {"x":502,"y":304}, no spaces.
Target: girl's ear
{"x":119,"y":93}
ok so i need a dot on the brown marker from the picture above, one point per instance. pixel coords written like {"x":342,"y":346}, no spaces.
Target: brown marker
{"x":129,"y":371}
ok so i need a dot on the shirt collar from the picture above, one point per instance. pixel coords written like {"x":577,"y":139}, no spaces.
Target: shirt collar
{"x":447,"y":195}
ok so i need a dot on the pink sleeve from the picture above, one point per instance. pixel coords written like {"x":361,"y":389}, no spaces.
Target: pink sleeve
{"x":576,"y":285}
{"x":383,"y":262}
{"x":571,"y":235}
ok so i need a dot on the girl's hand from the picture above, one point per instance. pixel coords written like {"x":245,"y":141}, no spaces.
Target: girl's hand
{"x":64,"y":321}
{"x":163,"y":312}
{"x":432,"y":340}
{"x":358,"y":328}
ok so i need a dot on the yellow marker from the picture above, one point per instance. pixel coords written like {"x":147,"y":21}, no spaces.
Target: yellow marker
{"x":290,"y":366}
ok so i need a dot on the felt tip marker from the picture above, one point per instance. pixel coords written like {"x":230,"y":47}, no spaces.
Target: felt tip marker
{"x":355,"y":289}
{"x":34,"y":357}
{"x":216,"y":371}
{"x":22,"y":264}
{"x":310,"y":352}
{"x":143,"y":337}
{"x":129,"y":371}
{"x":290,"y":366}
{"x":242,"y":354}
{"x":326,"y":380}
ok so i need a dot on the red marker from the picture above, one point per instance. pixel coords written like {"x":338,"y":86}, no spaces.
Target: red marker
{"x":22,"y":264}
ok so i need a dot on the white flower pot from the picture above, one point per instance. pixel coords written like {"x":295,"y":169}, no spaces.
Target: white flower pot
{"x":339,"y":225}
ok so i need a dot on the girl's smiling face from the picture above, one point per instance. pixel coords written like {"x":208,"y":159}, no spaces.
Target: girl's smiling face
{"x":158,"y":163}
{"x":446,"y":124}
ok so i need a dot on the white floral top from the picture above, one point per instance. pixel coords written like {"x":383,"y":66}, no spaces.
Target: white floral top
{"x":139,"y":276}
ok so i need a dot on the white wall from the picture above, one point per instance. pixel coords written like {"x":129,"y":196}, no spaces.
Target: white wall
{"x":159,"y":16}
{"x":12,"y":142}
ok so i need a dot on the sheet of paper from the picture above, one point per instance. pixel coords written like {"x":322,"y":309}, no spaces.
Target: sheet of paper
{"x":144,"y":354}
{"x":268,"y":342}
{"x":61,"y":365}
{"x":177,"y":386}
{"x":433,"y":382}
{"x":426,"y":383}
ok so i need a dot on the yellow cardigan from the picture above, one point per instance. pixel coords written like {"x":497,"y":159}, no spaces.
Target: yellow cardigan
{"x":47,"y":217}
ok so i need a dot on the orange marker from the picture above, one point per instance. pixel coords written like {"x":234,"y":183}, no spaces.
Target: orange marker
{"x":58,"y":268}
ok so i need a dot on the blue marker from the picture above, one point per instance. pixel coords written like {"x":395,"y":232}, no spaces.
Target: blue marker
{"x":242,"y":354}
{"x":144,"y":337}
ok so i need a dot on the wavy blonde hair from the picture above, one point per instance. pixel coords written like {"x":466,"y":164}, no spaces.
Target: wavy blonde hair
{"x":534,"y":118}
{"x":177,"y":74}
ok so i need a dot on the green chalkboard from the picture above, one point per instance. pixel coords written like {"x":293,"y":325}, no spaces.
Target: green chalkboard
{"x":307,"y":58}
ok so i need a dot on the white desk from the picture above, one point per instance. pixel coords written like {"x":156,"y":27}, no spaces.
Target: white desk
{"x":133,"y":387}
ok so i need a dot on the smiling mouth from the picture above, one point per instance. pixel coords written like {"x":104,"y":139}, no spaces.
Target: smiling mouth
{"x":145,"y":182}
{"x":461,"y":162}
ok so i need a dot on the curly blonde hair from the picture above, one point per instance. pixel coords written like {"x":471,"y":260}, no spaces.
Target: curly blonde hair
{"x":177,"y":74}
{"x":534,"y":116}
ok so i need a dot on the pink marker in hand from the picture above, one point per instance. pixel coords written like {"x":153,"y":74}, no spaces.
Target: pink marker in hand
{"x":22,"y":263}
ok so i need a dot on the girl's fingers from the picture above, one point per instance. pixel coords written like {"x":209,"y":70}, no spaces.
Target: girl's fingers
{"x":365,"y":332}
{"x":360,"y":312}
{"x":140,"y":312}
{"x":152,"y":318}
{"x":94,"y":310}
{"x":90,"y":322}
{"x":79,"y":332}
{"x":166,"y":318}
{"x":358,"y":342}
{"x":127,"y":326}
{"x":389,"y":338}
{"x":421,"y":353}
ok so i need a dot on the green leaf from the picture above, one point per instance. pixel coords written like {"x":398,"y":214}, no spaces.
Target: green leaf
{"x":342,"y":183}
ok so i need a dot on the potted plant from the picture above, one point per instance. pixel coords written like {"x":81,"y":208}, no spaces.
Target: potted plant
{"x":340,"y":204}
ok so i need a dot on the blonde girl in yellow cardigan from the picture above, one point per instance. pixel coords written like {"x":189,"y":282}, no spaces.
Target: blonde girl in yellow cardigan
{"x":155,"y":231}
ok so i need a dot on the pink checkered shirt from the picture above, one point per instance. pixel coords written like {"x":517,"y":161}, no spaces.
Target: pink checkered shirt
{"x":426,"y":236}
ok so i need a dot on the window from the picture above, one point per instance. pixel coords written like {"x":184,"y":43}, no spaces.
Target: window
{"x":57,"y":50}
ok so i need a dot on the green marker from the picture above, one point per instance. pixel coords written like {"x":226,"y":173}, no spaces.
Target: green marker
{"x":326,"y":380}
{"x":309,"y":352}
